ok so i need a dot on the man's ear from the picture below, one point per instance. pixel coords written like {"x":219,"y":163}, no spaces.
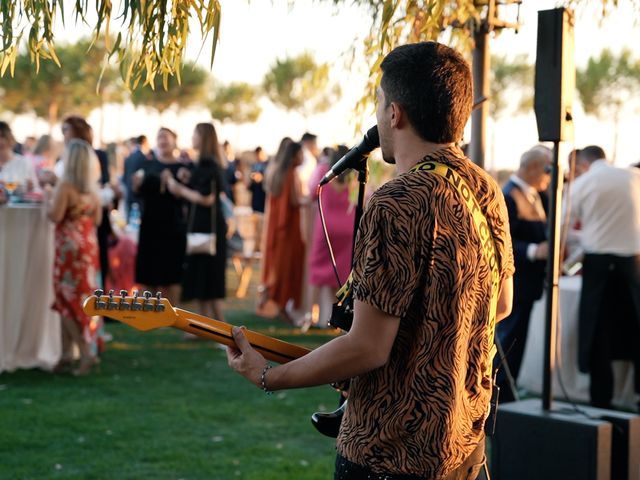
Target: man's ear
{"x":397,"y":115}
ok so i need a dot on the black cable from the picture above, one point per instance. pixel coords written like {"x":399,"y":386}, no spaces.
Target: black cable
{"x":326,"y":236}
{"x":507,"y":371}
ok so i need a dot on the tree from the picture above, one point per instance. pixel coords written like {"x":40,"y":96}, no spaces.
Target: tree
{"x":509,"y":77}
{"x":298,"y":83}
{"x":153,"y":34}
{"x":151,"y":41}
{"x":236,"y":102}
{"x":87,"y":81}
{"x":606,"y":84}
{"x":182,"y":93}
{"x":515,"y":75}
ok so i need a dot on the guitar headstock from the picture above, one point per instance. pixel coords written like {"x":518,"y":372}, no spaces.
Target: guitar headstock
{"x":144,"y":312}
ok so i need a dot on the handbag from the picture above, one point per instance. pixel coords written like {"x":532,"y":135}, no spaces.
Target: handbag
{"x":202,"y":243}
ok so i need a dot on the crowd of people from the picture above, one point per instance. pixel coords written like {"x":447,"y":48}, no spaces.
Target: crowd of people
{"x":167,"y":196}
{"x":427,"y":290}
{"x":601,"y":222}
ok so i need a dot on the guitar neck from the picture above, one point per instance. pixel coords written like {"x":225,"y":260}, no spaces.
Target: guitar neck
{"x":271,"y":348}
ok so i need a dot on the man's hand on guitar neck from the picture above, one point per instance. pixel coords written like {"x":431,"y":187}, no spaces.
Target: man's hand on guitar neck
{"x":244,"y":359}
{"x":367,"y":346}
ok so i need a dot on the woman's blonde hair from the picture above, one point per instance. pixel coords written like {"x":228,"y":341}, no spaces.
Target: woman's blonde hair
{"x":80,"y":166}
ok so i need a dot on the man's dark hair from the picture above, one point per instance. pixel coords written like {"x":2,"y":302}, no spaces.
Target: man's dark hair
{"x":592,"y":153}
{"x":6,"y":133}
{"x":432,"y":83}
{"x":308,"y":137}
{"x":140,"y":139}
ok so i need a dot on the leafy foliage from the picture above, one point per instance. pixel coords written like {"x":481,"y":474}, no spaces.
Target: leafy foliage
{"x":510,"y":75}
{"x":236,"y":102}
{"x":607,"y":82}
{"x":150,"y":43}
{"x":396,"y":22}
{"x":298,"y":83}
{"x":57,"y":91}
{"x":181,"y":92}
{"x":607,"y":85}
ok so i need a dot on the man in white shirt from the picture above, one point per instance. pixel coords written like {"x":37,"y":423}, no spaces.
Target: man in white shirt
{"x":527,"y":203}
{"x":606,"y":202}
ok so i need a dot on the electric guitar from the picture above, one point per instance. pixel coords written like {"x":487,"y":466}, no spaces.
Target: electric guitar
{"x":148,"y":312}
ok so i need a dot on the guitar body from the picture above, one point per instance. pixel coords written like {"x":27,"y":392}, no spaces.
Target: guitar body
{"x":149,"y":312}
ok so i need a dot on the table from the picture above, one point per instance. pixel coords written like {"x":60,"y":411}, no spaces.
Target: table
{"x":575,"y":383}
{"x":29,"y":329}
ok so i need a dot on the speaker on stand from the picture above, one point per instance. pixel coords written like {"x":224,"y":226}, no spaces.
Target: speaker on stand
{"x":533,"y":440}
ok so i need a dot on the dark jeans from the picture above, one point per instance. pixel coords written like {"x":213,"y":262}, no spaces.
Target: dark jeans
{"x":469,"y":470}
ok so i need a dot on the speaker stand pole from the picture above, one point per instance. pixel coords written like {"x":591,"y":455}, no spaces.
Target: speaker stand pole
{"x":553,"y":275}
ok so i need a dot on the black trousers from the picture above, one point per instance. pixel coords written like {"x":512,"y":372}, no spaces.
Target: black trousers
{"x":609,"y":320}
{"x":471,"y":469}
{"x":512,"y":333}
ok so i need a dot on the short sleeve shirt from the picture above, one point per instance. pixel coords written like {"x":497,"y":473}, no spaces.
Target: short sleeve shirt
{"x":419,"y":257}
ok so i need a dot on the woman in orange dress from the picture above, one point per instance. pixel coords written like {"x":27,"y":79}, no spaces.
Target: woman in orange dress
{"x":284,"y":248}
{"x":76,"y":209}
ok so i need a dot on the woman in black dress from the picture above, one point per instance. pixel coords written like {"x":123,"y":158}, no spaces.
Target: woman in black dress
{"x":204,"y":278}
{"x":163,"y":230}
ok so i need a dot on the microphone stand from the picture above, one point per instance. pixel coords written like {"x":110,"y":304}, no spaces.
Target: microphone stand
{"x":329,"y":423}
{"x":363,"y":178}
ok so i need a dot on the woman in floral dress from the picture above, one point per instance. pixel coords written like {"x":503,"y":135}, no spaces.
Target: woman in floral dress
{"x":75,"y":208}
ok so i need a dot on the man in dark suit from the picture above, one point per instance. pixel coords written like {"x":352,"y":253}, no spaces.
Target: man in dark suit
{"x":527,"y":204}
{"x":135,"y":161}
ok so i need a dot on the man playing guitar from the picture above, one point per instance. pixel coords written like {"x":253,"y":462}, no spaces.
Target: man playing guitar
{"x":429,"y":282}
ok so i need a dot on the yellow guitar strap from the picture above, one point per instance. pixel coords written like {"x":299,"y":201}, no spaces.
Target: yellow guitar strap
{"x":482,"y":228}
{"x":484,"y":232}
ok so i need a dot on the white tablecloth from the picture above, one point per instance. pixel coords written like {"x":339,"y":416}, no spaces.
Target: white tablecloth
{"x":576,"y":383}
{"x":29,"y":329}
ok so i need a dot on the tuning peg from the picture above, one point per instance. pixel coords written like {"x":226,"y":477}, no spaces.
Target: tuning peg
{"x":146,"y":305}
{"x":112,"y":305}
{"x":123,"y":305}
{"x":159,"y":306}
{"x":99,"y":303}
{"x":135,"y":305}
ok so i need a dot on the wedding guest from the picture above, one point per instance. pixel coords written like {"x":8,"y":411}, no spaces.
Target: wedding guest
{"x":76,"y":127}
{"x":258,"y":194}
{"x":163,"y":230}
{"x":44,"y":154}
{"x":606,"y":202}
{"x":284,"y":250}
{"x":339,"y":216}
{"x":204,"y":277}
{"x":14,"y":168}
{"x":310,"y":153}
{"x":75,"y":208}
{"x":135,"y":161}
{"x":527,"y":204}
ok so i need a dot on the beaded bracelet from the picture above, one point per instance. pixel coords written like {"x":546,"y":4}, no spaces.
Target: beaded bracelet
{"x":263,"y":379}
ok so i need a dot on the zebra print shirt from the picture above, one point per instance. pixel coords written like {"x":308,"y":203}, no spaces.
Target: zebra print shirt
{"x":418,"y":257}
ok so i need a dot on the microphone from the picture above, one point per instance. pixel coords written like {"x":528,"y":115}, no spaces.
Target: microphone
{"x":355,"y":156}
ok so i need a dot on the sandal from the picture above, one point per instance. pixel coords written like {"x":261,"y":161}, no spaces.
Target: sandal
{"x":63,"y":366}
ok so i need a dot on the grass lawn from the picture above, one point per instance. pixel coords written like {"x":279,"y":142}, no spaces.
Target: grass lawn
{"x":163,"y":408}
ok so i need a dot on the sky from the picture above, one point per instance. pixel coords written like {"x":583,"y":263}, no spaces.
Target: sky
{"x":254,"y":34}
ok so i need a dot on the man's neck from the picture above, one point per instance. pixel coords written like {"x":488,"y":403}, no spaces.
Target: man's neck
{"x":412,"y":149}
